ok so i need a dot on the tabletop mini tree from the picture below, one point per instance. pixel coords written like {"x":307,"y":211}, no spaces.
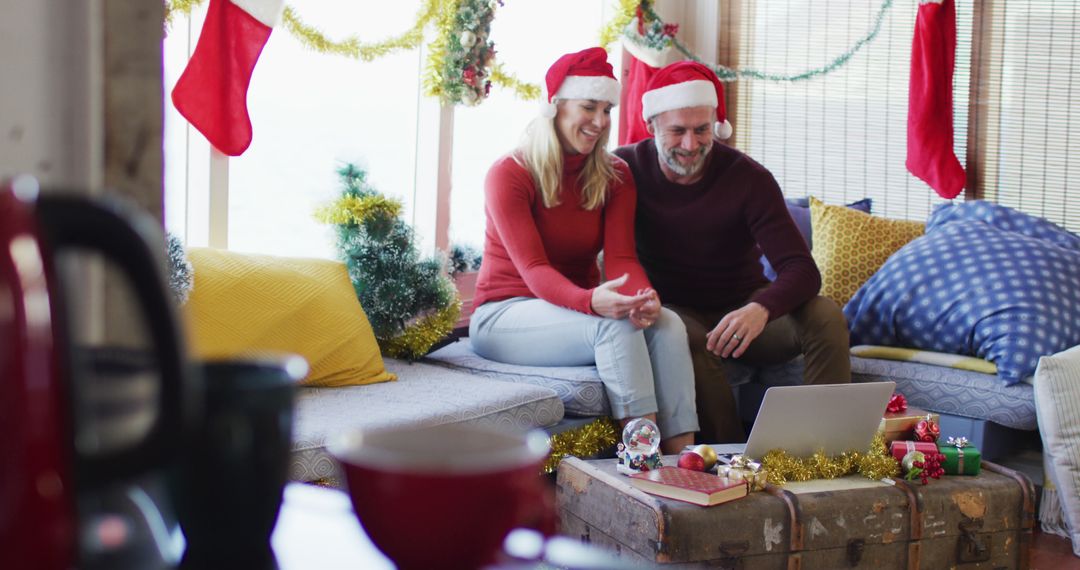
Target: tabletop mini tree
{"x":409,"y":300}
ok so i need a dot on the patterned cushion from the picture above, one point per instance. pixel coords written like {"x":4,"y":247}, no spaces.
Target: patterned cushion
{"x":799,"y":208}
{"x":1057,"y":397}
{"x":849,"y":246}
{"x":949,"y":391}
{"x":968,"y":287}
{"x":926,"y":357}
{"x":1007,"y":219}
{"x":579,"y":387}
{"x":244,"y":304}
{"x":424,"y":395}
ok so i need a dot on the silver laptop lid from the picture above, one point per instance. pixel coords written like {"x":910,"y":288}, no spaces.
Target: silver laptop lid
{"x":831,"y":417}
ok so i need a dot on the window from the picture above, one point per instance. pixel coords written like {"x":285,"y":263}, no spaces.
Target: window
{"x":187,"y":154}
{"x":843,"y":136}
{"x":312,"y":112}
{"x":1030,"y":60}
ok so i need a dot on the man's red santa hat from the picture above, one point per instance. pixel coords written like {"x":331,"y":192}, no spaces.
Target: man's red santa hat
{"x":686,"y":84}
{"x":582,"y":75}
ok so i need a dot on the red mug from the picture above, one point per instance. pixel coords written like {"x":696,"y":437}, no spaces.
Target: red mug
{"x":443,"y":496}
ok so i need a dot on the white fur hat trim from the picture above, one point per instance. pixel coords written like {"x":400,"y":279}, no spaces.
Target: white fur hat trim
{"x":697,"y":93}
{"x":595,"y":87}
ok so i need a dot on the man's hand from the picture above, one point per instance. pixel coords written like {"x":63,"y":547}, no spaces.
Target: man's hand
{"x":645,"y":315}
{"x":737,"y":330}
{"x":607,"y":302}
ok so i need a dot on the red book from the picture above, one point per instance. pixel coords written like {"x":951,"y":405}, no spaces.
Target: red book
{"x":695,"y":487}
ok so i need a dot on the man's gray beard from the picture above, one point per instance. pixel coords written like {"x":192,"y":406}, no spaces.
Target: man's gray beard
{"x":669,"y":159}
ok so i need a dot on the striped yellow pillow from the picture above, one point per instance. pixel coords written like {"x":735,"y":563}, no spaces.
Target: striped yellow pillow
{"x":850,"y":246}
{"x":243,"y":304}
{"x":956,"y":361}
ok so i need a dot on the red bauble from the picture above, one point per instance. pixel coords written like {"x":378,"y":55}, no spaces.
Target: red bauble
{"x":692,"y":461}
{"x":927,"y":430}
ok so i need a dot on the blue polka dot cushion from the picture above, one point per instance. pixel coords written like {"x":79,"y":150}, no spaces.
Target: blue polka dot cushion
{"x":985,"y":280}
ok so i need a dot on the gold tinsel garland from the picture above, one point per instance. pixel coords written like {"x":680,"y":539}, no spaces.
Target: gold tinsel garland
{"x":179,"y":7}
{"x":876,"y":463}
{"x":585,"y":441}
{"x":442,"y":12}
{"x":418,"y":338}
{"x":611,"y":32}
{"x":439,"y":48}
{"x":352,"y":46}
{"x":356,"y":209}
{"x":502,"y":78}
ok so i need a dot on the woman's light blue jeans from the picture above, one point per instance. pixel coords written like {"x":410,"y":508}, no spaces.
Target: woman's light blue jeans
{"x":643,"y":371}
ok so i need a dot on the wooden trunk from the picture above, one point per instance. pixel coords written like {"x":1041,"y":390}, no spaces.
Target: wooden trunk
{"x":956,"y":522}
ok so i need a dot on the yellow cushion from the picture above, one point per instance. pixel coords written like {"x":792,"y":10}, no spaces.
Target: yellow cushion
{"x":243,"y":304}
{"x":850,"y":246}
{"x":956,"y":361}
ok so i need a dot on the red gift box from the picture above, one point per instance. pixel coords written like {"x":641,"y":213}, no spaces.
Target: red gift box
{"x":899,"y":449}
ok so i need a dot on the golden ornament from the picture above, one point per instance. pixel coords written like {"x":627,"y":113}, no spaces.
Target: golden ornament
{"x":707,"y":453}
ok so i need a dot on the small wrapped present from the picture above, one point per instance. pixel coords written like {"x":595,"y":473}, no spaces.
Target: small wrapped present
{"x":901,"y":425}
{"x":899,"y":449}
{"x":742,"y":468}
{"x":961,"y":458}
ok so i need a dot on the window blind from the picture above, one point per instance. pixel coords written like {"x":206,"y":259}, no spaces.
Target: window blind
{"x":840,"y":136}
{"x":1033,"y":113}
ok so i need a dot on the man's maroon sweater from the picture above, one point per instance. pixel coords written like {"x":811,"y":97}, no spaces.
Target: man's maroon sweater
{"x":700,"y":243}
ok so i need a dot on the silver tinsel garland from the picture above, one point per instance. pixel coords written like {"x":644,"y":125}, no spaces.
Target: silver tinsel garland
{"x":181,"y":273}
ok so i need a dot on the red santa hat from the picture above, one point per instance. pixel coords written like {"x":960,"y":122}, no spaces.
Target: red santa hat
{"x":582,"y":75}
{"x":686,"y":84}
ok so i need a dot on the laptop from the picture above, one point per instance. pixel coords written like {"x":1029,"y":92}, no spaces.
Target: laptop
{"x":803,"y":419}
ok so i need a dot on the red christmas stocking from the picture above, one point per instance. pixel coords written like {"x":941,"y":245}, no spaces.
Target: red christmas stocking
{"x":212,"y":92}
{"x":930,"y":112}
{"x":633,"y":125}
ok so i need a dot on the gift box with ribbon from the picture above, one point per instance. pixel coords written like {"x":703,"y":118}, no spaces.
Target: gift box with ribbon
{"x":961,"y":458}
{"x":742,"y":468}
{"x":899,"y":449}
{"x":901,"y":424}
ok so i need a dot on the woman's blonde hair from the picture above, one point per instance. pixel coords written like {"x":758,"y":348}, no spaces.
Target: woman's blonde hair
{"x":541,"y":153}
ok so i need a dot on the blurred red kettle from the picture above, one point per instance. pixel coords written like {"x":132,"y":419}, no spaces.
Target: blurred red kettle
{"x":89,"y":432}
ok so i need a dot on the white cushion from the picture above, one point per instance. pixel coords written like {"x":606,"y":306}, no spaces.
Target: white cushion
{"x":1057,"y":404}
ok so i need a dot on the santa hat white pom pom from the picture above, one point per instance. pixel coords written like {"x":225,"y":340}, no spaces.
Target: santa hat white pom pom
{"x":547,"y":110}
{"x":722,"y":129}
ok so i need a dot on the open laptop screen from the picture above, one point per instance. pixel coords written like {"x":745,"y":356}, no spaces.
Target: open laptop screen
{"x":831,"y":417}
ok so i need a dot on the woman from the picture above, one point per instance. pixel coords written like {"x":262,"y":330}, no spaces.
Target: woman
{"x":552,"y":205}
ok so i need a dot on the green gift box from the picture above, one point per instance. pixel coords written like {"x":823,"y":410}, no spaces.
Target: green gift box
{"x":961,"y":458}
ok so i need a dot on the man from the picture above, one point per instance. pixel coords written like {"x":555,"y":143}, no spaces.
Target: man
{"x":705,"y":214}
